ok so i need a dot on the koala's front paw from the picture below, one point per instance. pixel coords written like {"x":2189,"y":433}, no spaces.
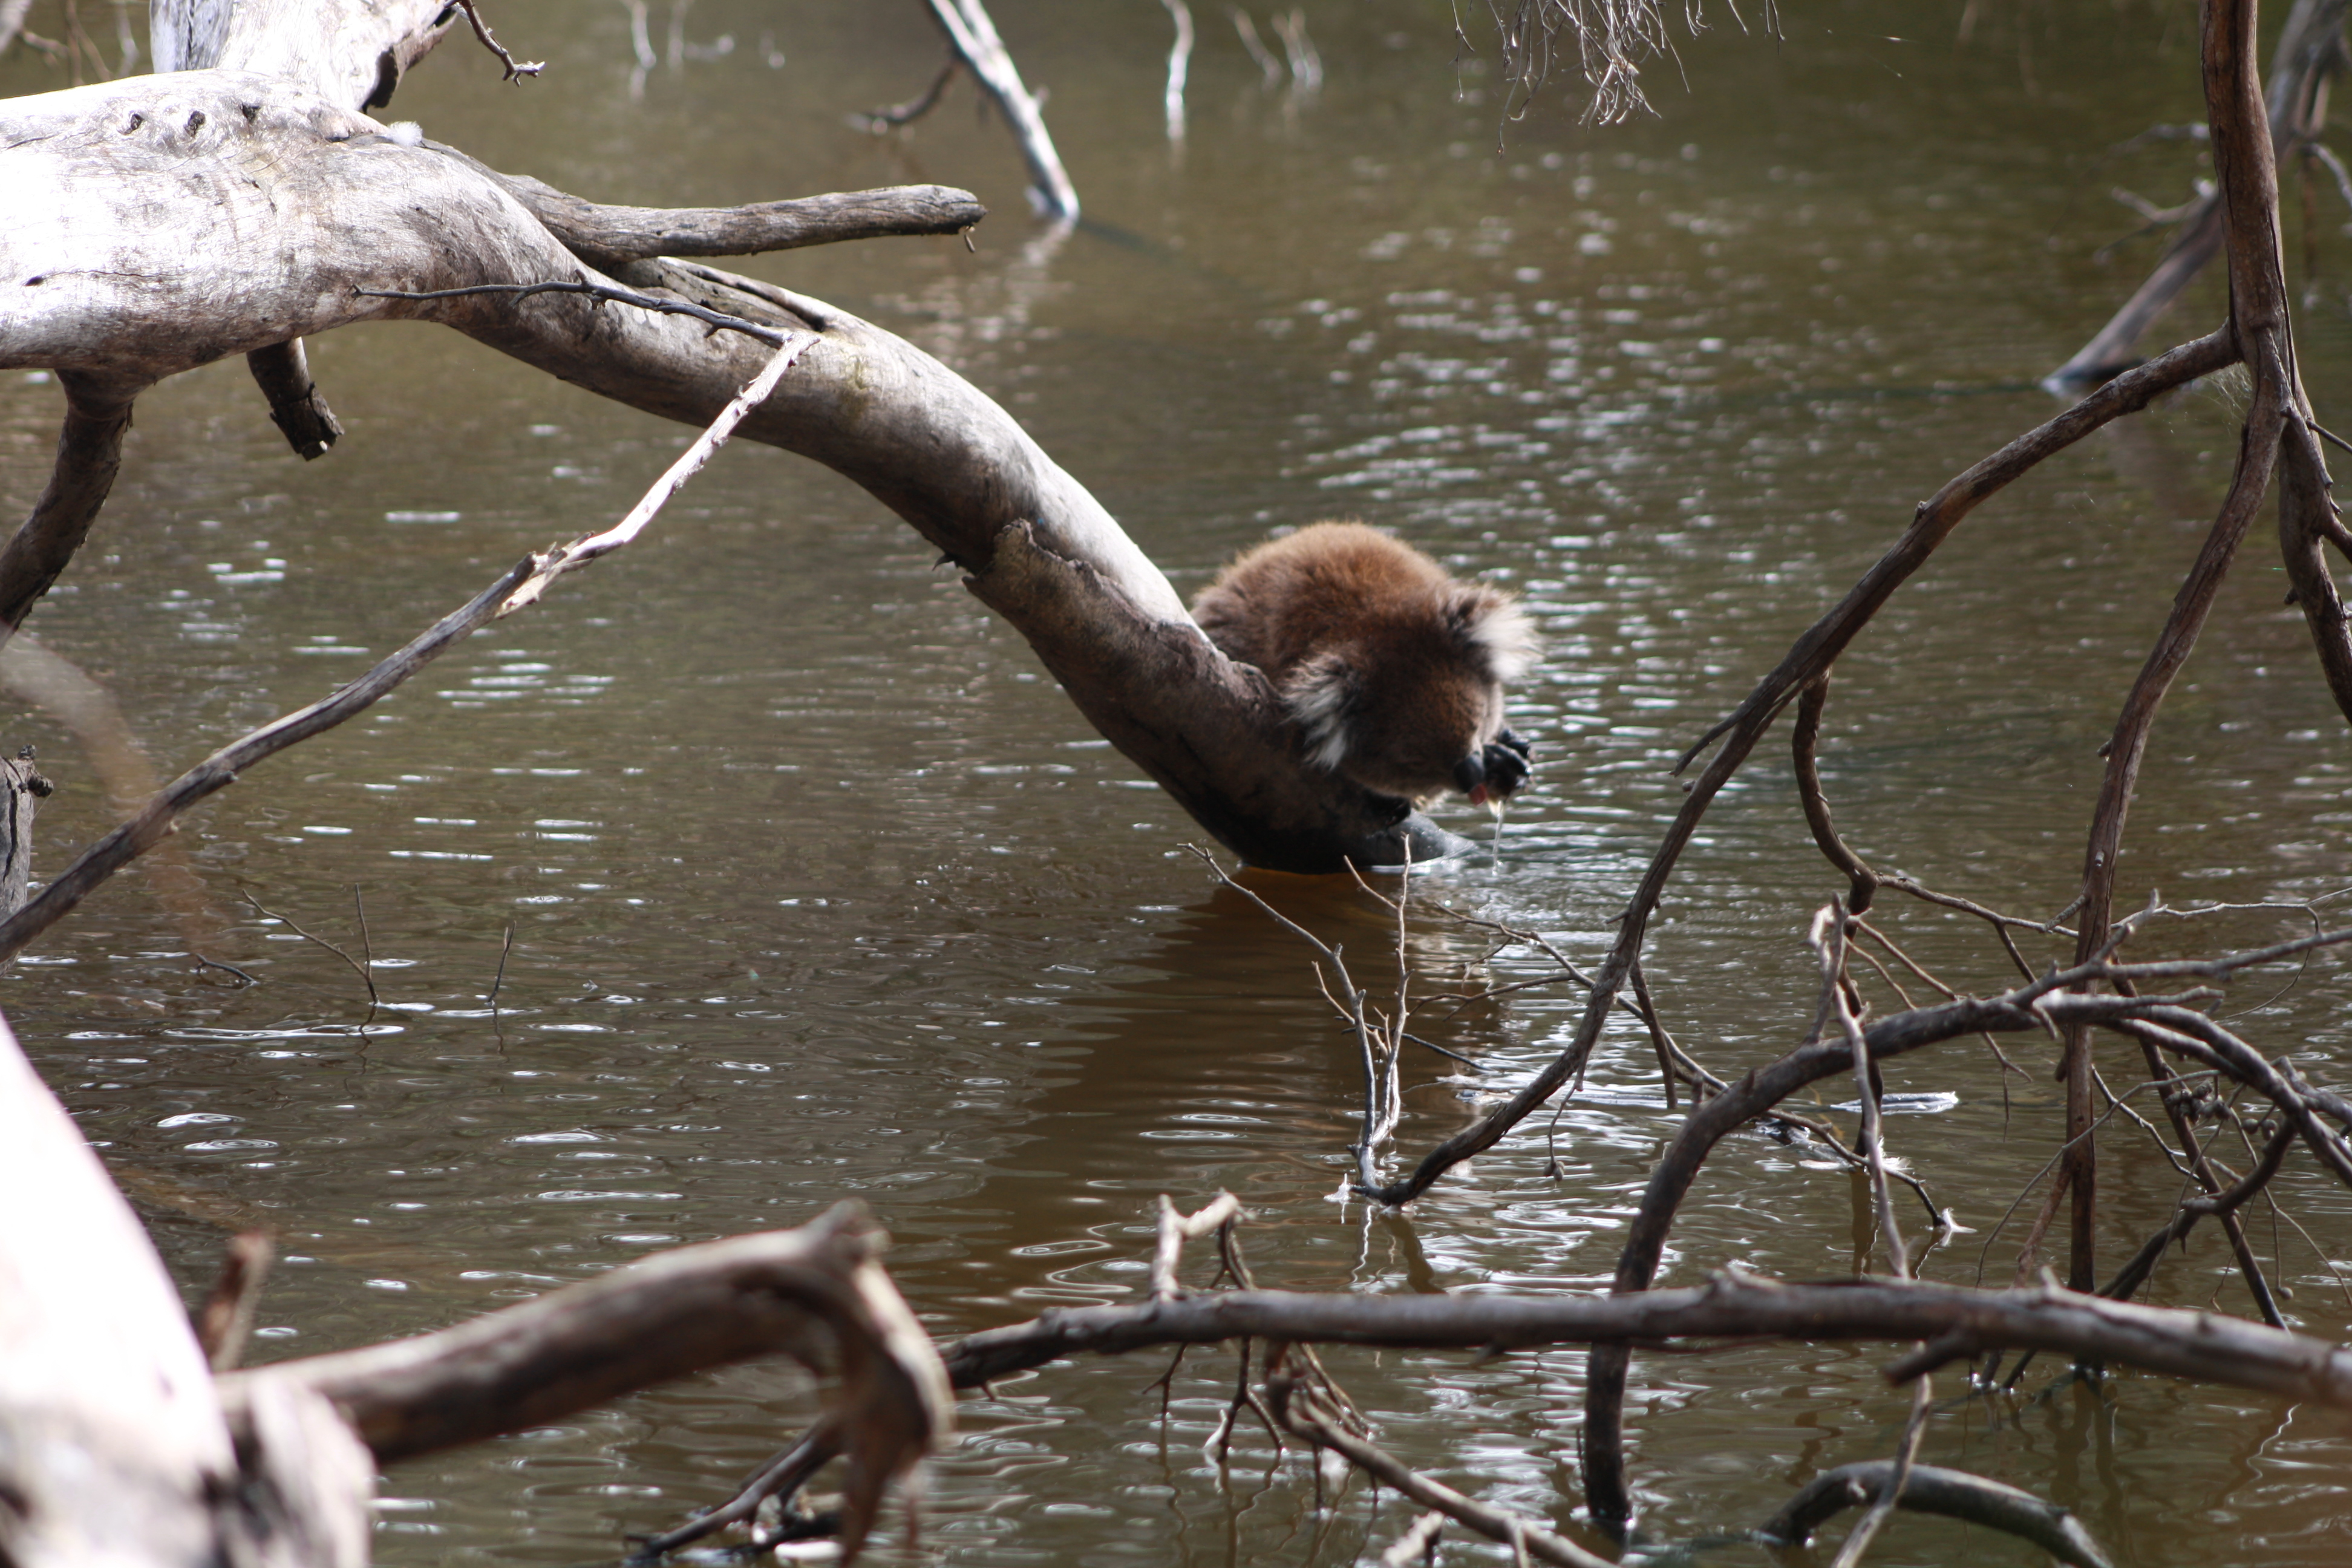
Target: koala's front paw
{"x":1506,"y":761}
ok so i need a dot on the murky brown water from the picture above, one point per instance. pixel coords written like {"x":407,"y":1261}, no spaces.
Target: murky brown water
{"x":819,"y":889}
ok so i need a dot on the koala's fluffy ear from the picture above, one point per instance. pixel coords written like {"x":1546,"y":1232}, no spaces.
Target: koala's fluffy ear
{"x":1495,"y":628}
{"x":1321,"y":696}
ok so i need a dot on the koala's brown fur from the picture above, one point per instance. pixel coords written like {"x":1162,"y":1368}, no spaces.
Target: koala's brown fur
{"x":1393,"y":670}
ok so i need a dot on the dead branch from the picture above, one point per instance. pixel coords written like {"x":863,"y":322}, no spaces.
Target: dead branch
{"x":89,"y":451}
{"x":1953,"y":1321}
{"x":883,"y":121}
{"x":1421,"y":1541}
{"x":608,"y":236}
{"x":1804,"y":740}
{"x":1302,"y":1414}
{"x":817,"y":1294}
{"x":1175,"y":1229}
{"x":226,"y":1320}
{"x":780,"y":1476}
{"x":1269,"y":67}
{"x":366,"y":972}
{"x":1378,"y":1046}
{"x":2310,"y":52}
{"x":2035,"y":1006}
{"x":972,"y":35}
{"x":1955,"y":1494}
{"x":2217,"y":1202}
{"x":516,"y":70}
{"x":1180,"y":60}
{"x":2220,"y":1203}
{"x":295,"y":406}
{"x":2247,"y":172}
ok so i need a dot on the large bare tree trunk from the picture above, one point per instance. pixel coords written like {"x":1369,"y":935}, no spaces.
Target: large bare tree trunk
{"x":161,"y":223}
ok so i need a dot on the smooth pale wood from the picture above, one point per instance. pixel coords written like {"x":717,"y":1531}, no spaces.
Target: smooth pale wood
{"x":109,"y":1428}
{"x":352,"y":52}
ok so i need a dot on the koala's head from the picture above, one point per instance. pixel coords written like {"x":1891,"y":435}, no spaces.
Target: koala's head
{"x":1409,"y":701}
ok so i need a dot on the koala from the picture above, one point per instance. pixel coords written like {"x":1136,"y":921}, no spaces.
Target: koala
{"x":1392,"y":670}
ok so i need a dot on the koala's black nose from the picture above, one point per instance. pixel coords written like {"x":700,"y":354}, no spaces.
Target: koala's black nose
{"x":1470,"y":777}
{"x":1507,"y":763}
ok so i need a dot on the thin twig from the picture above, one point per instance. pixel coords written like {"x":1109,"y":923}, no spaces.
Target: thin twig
{"x":357,"y":968}
{"x":505,"y":946}
{"x":516,"y":70}
{"x":881,"y":120}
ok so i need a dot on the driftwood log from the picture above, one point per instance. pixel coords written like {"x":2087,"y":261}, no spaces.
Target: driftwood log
{"x":161,"y":223}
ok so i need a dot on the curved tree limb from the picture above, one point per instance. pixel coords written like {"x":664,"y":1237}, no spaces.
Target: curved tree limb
{"x":2041,"y":1004}
{"x":347,"y":208}
{"x":1956,"y":1494}
{"x":89,"y":453}
{"x":817,"y":1293}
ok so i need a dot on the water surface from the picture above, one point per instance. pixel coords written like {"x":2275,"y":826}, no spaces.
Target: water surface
{"x":819,"y":889}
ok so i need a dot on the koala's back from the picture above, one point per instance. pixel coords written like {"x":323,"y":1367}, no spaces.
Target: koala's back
{"x":1279,"y":604}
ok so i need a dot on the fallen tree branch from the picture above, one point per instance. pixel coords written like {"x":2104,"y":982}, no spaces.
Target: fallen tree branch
{"x":2310,"y":52}
{"x":1955,"y":1494}
{"x":295,"y":406}
{"x":971,"y":33}
{"x":1955,"y":1321}
{"x":817,"y":1294}
{"x":2037,"y":1007}
{"x":1175,"y":1229}
{"x":1301,"y":1414}
{"x":882,"y":121}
